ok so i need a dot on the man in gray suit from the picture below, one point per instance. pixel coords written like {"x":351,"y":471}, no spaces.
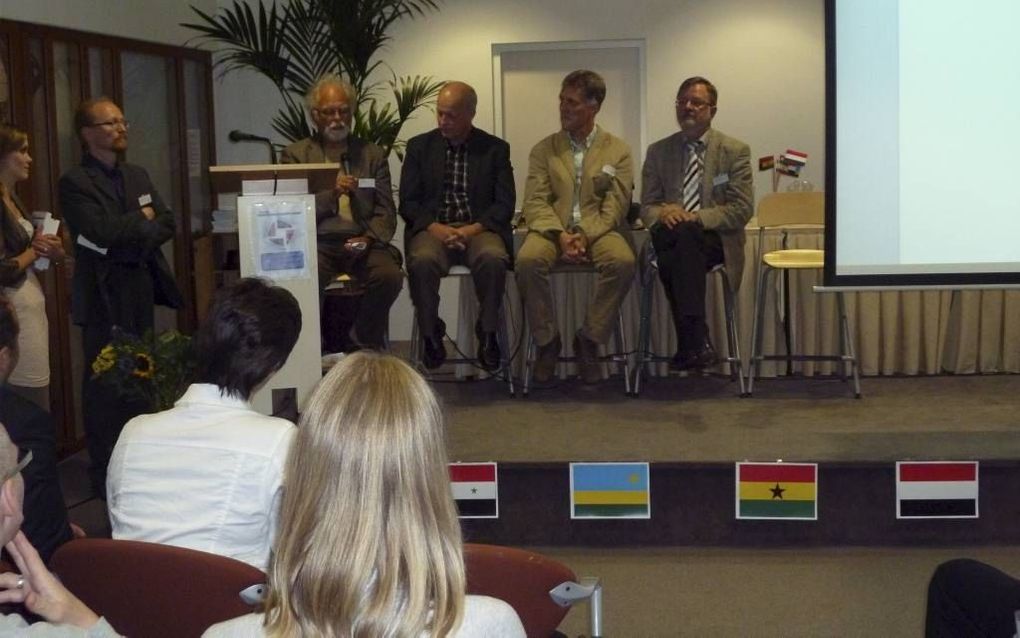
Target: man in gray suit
{"x":696,"y":198}
{"x":355,"y":219}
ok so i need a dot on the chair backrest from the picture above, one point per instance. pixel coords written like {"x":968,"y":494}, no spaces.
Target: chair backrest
{"x":145,"y":589}
{"x":520,"y":578}
{"x":783,"y":209}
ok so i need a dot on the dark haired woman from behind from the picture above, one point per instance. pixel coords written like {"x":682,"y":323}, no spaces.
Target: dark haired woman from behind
{"x":369,"y":542}
{"x":207,"y":474}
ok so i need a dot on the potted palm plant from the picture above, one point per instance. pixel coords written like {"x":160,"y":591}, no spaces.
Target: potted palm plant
{"x":293,"y":44}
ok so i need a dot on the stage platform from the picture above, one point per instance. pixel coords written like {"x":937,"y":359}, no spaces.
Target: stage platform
{"x":692,"y":430}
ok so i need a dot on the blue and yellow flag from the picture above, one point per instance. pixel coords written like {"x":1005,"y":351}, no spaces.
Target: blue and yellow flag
{"x":609,"y":490}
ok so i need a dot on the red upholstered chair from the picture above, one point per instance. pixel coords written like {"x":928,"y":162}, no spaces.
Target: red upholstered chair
{"x":522,"y":579}
{"x":145,"y":589}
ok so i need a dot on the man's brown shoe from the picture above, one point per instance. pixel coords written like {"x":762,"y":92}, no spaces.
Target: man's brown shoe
{"x":587,"y":353}
{"x":546,"y":358}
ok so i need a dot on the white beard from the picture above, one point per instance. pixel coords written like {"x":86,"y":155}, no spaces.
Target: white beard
{"x":335,"y":135}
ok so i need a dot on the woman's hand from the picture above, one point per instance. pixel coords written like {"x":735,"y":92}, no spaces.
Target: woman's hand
{"x":40,"y":590}
{"x":48,"y":246}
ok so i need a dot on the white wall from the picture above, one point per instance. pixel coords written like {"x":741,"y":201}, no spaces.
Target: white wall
{"x":151,"y":20}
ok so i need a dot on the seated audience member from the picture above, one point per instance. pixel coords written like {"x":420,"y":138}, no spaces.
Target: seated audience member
{"x":457,"y":199}
{"x":208,"y":473}
{"x":576,"y":197}
{"x":35,"y":587}
{"x":970,"y":598}
{"x":31,"y":430}
{"x":369,"y":541}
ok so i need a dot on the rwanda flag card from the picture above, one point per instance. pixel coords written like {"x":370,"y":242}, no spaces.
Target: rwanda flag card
{"x":936,"y":489}
{"x":609,"y":490}
{"x":787,"y":491}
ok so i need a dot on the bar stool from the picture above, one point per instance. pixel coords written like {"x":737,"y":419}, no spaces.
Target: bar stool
{"x":501,"y":337}
{"x":778,"y":210}
{"x":619,"y":335}
{"x":649,"y":275}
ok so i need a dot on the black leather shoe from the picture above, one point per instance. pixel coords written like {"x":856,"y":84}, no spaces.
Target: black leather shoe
{"x":696,"y":360}
{"x":434,"y":354}
{"x":488,"y":349}
{"x":587,"y":353}
{"x":546,"y":358}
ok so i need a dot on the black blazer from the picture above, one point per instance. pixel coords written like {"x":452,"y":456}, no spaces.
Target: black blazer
{"x":89,"y":204}
{"x":490,"y":177}
{"x":30,"y":428}
{"x":13,"y":241}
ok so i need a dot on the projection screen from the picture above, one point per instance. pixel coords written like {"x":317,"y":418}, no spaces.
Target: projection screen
{"x":922,"y":135}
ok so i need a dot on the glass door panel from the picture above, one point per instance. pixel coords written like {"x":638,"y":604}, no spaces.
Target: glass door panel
{"x":100,"y":73}
{"x":150,"y":104}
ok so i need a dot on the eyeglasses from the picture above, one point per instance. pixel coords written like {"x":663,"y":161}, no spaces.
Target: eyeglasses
{"x":342,"y":111}
{"x":112,"y":124}
{"x":693,"y":102}
{"x":25,"y":460}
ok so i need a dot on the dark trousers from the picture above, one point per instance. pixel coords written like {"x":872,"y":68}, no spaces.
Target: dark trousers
{"x":685,"y":253}
{"x":969,"y":598}
{"x":104,"y":411}
{"x":428,"y":261}
{"x":379,"y":271}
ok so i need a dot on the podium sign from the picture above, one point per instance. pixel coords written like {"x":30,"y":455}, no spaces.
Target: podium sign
{"x":276,"y":241}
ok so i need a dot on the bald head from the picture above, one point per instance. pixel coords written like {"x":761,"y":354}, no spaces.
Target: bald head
{"x":455,"y":110}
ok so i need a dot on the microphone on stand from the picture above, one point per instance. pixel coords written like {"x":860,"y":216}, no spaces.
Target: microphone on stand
{"x":241,"y":136}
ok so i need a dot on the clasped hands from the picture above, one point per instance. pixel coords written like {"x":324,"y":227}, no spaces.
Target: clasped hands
{"x":573,"y":247}
{"x":454,"y":237}
{"x":673,"y":214}
{"x":345,"y":184}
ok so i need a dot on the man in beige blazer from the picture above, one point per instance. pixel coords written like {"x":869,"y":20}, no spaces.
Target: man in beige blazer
{"x":696,"y":213}
{"x":577,"y":194}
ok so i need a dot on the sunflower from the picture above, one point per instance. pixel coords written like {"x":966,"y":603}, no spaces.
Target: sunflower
{"x":144,"y":366}
{"x":105,"y":360}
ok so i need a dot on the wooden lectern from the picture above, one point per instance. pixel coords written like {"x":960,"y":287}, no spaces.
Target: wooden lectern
{"x":276,"y":241}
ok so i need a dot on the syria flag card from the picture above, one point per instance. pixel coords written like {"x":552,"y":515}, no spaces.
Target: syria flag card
{"x":936,"y":489}
{"x":786,"y":491}
{"x":609,"y":490}
{"x":475,"y":489}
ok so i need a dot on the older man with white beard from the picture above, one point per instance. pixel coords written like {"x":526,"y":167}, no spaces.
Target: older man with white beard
{"x":356,"y":219}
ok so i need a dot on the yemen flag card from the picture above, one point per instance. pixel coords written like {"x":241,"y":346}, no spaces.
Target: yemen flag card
{"x":609,"y":490}
{"x":936,"y":489}
{"x":777,"y":491}
{"x":475,"y":489}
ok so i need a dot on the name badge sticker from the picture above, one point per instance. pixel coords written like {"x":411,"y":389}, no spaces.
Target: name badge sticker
{"x":145,"y":200}
{"x":366,"y":182}
{"x":609,"y":170}
{"x":722,"y":178}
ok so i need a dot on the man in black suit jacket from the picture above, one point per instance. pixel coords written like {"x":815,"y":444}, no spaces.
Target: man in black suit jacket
{"x":457,"y":199}
{"x":118,"y":222}
{"x":31,"y":430}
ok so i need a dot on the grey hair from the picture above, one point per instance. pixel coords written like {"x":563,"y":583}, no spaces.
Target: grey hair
{"x":331,"y":79}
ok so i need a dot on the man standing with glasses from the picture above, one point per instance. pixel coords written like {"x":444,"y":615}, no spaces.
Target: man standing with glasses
{"x":696,"y":197}
{"x":355,"y":220}
{"x":118,"y":223}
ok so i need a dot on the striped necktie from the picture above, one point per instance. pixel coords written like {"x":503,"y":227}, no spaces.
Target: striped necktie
{"x":692,"y":176}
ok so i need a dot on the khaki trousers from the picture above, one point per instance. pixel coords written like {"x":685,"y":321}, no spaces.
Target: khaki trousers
{"x":614,"y":264}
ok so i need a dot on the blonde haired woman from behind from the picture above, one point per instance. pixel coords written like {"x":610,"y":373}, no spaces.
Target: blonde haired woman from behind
{"x":369,"y":544}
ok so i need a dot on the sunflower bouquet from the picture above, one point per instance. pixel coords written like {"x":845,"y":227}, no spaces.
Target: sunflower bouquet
{"x":155,"y":369}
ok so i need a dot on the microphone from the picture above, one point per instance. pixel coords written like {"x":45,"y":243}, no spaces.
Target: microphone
{"x":241,"y":136}
{"x":345,"y":162}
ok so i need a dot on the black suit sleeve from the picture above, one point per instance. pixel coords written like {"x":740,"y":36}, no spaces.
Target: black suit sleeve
{"x":415,"y":209}
{"x":87,"y":215}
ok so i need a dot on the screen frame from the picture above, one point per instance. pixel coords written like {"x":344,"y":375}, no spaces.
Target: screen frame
{"x":885,"y":280}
